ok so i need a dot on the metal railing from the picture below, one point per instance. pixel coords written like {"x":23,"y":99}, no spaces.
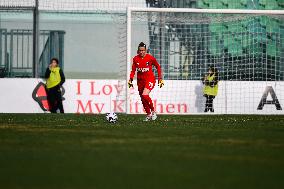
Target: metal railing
{"x":16,"y":51}
{"x":3,"y":53}
{"x":53,"y":47}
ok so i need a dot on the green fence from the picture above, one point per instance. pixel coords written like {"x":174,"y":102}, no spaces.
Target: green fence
{"x":16,"y":51}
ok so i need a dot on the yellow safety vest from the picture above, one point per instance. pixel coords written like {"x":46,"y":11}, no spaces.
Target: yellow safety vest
{"x":208,"y":90}
{"x":54,"y":78}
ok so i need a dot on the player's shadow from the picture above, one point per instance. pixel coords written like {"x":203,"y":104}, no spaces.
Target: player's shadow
{"x":199,"y":100}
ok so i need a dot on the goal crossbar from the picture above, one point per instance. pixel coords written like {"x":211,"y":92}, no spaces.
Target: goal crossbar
{"x":192,"y":10}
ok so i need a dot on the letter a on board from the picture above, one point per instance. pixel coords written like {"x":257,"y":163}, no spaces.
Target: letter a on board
{"x":264,"y":100}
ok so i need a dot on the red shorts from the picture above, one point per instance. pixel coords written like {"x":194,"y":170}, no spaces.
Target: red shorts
{"x":148,"y":84}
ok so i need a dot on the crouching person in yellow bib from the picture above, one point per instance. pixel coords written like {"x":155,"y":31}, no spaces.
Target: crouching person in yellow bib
{"x":54,"y":80}
{"x":210,"y":89}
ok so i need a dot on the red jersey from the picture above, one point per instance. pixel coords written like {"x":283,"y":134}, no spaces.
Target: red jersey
{"x":143,"y":66}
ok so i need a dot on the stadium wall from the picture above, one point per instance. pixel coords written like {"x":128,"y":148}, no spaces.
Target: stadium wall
{"x":100,"y":96}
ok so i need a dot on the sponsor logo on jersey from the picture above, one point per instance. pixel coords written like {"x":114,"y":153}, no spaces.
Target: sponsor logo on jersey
{"x":143,"y":69}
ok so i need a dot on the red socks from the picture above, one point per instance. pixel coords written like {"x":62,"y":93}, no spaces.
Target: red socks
{"x":147,"y":103}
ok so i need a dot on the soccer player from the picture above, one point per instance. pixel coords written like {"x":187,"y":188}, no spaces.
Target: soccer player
{"x":142,"y":63}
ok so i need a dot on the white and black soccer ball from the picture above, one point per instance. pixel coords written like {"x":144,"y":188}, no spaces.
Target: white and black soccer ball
{"x":111,"y":117}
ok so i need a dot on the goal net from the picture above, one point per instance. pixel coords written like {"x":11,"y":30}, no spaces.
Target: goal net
{"x":245,"y":46}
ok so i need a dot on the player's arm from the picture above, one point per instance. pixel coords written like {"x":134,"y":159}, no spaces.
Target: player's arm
{"x":132,"y":74}
{"x":158,"y":67}
{"x":47,"y":73}
{"x":215,"y":80}
{"x":204,"y":80}
{"x":62,"y":76}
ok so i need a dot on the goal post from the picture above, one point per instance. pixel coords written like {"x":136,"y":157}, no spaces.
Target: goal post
{"x":246,"y":47}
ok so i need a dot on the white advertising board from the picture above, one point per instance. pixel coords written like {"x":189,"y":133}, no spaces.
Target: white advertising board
{"x":176,"y":97}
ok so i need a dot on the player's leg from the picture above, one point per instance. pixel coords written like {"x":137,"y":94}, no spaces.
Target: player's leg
{"x":145,"y":95}
{"x":59,"y":101}
{"x":206,"y":103}
{"x":51,"y":98}
{"x":145,"y":104}
{"x":211,"y":103}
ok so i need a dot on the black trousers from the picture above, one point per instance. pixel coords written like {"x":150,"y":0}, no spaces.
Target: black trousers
{"x":54,"y":98}
{"x":209,"y":103}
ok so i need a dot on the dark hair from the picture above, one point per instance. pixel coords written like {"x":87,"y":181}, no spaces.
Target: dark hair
{"x":213,"y":69}
{"x":142,"y":45}
{"x":54,"y":59}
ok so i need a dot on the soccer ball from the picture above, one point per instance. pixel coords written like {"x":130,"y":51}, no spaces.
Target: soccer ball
{"x":111,"y":117}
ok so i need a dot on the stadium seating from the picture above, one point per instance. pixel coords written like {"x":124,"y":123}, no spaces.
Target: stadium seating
{"x":269,"y":4}
{"x":246,"y":41}
{"x":241,"y":4}
{"x":281,"y":3}
{"x":217,"y":28}
{"x":244,"y":2}
{"x":225,"y":2}
{"x":236,"y":5}
{"x":215,"y":47}
{"x":212,"y":4}
{"x":271,"y":25}
{"x":250,"y":35}
{"x":272,"y":48}
{"x":202,"y":4}
{"x":236,"y":28}
{"x":234,"y":46}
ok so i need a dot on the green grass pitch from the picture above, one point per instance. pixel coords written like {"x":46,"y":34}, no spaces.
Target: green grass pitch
{"x":44,"y":151}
